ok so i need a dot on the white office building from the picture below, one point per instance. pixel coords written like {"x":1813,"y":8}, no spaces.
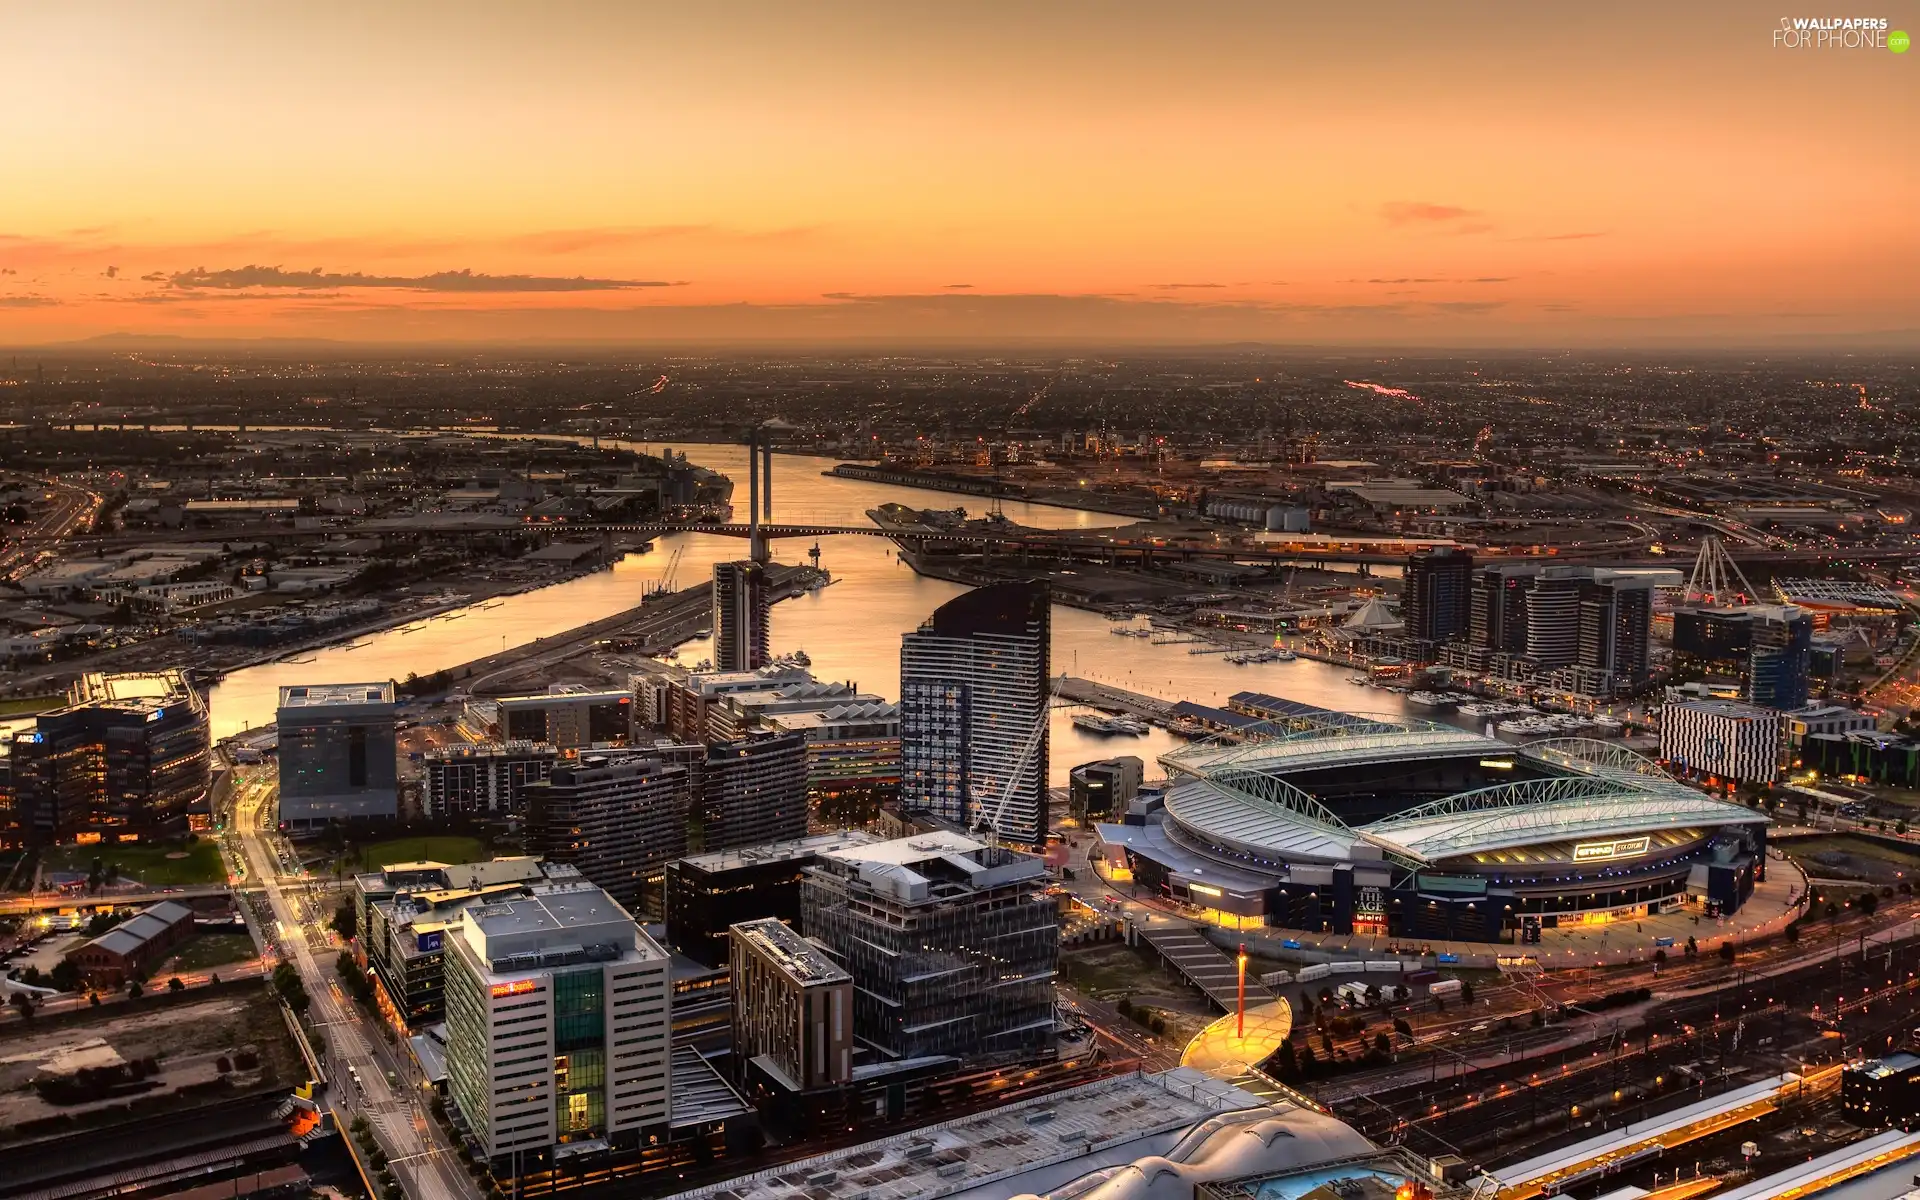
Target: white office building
{"x":559,"y":1034}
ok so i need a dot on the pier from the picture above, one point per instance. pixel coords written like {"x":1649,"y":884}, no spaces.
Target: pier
{"x":1107,"y":698}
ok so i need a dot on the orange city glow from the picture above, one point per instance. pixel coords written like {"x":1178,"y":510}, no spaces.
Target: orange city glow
{"x":1138,"y":171}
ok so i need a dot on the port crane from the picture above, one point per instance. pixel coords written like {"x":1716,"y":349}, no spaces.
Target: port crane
{"x":664,"y":586}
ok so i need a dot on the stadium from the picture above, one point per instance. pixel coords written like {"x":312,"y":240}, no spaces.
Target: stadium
{"x":1310,"y":819}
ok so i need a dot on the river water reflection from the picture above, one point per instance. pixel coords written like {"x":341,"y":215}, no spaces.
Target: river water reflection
{"x":851,"y":630}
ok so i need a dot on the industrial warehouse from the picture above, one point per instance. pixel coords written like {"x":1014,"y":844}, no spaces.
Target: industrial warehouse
{"x":1335,"y":822}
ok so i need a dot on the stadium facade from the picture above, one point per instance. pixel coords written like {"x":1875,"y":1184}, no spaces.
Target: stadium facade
{"x":1310,"y":819}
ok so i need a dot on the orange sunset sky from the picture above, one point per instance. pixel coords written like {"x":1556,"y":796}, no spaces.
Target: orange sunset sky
{"x":1608,"y":174}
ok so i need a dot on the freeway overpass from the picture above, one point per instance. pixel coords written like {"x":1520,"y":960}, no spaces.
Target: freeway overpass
{"x":14,"y":906}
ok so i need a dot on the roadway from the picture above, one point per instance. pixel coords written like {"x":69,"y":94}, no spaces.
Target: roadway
{"x":426,"y":1168}
{"x":73,"y":508}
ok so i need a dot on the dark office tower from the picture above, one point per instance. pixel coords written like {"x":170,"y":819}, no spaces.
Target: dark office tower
{"x":754,"y":790}
{"x":618,"y":818}
{"x":973,"y":711}
{"x":1437,"y":602}
{"x":337,"y":756}
{"x":127,"y":756}
{"x":1616,"y":618}
{"x":1780,"y":661}
{"x":740,"y":605}
{"x":1497,"y":608}
{"x":953,"y":946}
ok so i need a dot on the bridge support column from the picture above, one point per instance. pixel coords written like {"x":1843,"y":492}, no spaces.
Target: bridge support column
{"x":759,"y":546}
{"x":766,"y":483}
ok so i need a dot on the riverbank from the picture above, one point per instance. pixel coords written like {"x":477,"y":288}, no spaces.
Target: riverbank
{"x":997,"y":489}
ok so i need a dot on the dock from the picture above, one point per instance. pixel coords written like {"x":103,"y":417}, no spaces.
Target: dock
{"x":1107,"y":698}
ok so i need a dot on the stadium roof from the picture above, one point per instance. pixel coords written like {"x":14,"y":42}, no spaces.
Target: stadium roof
{"x":1239,"y":794}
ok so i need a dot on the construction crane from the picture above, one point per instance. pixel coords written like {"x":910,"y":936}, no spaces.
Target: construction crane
{"x":664,"y":586}
{"x":990,"y":819}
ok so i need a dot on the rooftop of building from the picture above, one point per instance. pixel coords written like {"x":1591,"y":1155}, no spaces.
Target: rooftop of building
{"x":796,"y":957}
{"x":1040,"y":1145}
{"x":1826,"y":712}
{"x":931,"y":867}
{"x":1884,"y":1068}
{"x":712,"y":683}
{"x":867,"y":713}
{"x":461,"y":751}
{"x":335,"y":695}
{"x":1736,"y":709}
{"x":428,"y":875}
{"x":544,"y":699}
{"x":554,"y":925}
{"x":129,"y":936}
{"x":99,"y":688}
{"x":770,"y":852}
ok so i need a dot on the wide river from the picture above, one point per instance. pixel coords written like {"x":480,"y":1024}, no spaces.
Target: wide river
{"x":851,"y":630}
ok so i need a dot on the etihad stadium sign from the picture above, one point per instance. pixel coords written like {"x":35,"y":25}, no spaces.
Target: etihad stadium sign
{"x":1618,"y":848}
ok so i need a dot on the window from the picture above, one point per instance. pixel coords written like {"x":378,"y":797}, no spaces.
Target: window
{"x":577,"y":1119}
{"x":579,"y":1010}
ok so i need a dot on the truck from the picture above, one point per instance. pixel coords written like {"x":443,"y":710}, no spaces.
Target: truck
{"x":1353,"y":995}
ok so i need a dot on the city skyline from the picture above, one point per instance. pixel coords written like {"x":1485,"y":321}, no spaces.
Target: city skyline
{"x":1236,"y":173}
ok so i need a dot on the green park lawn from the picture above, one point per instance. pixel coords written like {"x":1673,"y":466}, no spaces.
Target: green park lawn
{"x":209,"y":952}
{"x":152,"y":864}
{"x":446,"y":849}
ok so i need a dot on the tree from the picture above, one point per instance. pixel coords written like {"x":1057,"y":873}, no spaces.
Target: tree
{"x":134,"y":990}
{"x":93,"y":999}
{"x":1383,"y":1043}
{"x":343,"y":921}
{"x":1727,"y":951}
{"x":1659,"y":958}
{"x":23,"y":1004}
{"x":1285,"y":1063}
{"x":66,"y":976}
{"x":96,"y":874}
{"x":1466,"y":991}
{"x":1693,"y":947}
{"x":1869,"y":903}
{"x":176,"y":985}
{"x":1793,"y":932}
{"x":1404,"y":1029}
